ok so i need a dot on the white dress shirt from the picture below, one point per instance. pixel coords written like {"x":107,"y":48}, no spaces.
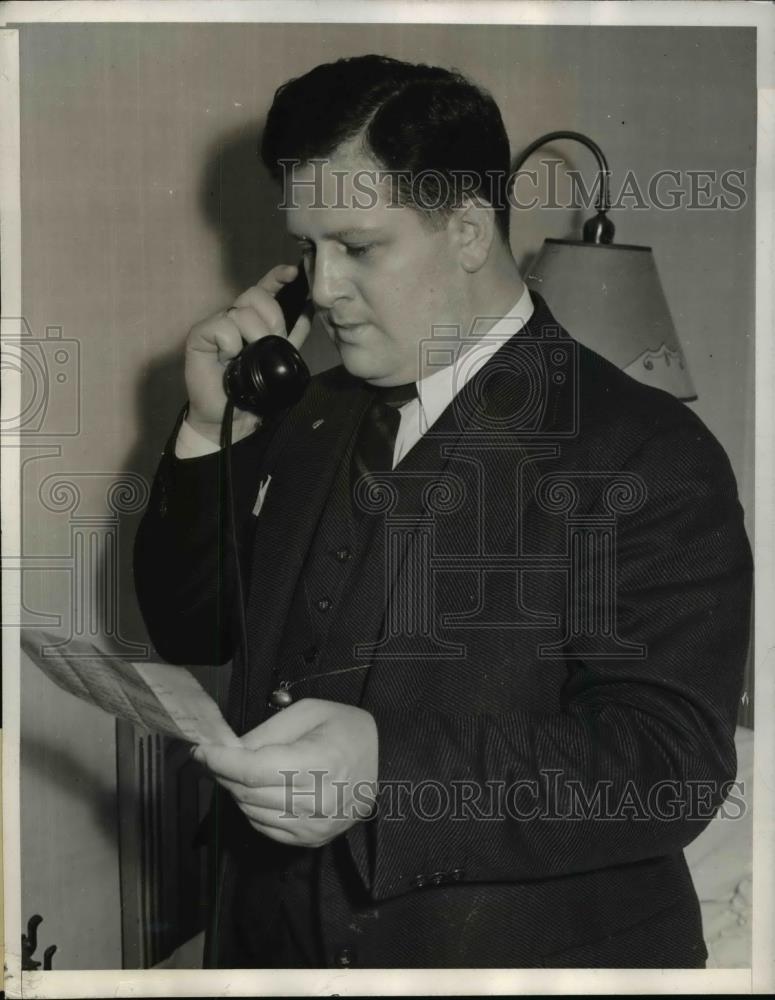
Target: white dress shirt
{"x":434,"y":392}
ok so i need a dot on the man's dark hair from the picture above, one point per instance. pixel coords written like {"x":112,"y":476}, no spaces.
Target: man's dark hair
{"x":420,"y":122}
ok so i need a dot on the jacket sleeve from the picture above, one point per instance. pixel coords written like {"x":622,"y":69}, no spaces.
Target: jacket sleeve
{"x":184,"y":565}
{"x":639,"y":754}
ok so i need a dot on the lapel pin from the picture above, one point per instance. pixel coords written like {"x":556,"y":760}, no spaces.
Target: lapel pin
{"x":317,"y":424}
{"x":261,"y":494}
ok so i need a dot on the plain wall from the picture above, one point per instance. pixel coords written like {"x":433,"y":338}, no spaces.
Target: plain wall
{"x":145,"y":209}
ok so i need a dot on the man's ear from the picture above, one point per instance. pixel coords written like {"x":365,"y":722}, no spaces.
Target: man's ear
{"x":472,"y":227}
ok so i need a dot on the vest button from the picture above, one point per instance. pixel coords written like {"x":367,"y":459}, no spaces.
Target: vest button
{"x":310,"y":655}
{"x":343,"y":554}
{"x":281,"y":698}
{"x":323,"y":604}
{"x":345,"y":957}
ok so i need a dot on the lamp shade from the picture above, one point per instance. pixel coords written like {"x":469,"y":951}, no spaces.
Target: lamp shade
{"x":609,"y":297}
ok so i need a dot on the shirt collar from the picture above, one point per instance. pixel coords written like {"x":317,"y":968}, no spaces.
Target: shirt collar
{"x":436,"y":391}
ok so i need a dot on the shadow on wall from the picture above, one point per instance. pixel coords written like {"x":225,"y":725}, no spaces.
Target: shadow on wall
{"x":58,"y":767}
{"x":238,"y":200}
{"x":241,"y":203}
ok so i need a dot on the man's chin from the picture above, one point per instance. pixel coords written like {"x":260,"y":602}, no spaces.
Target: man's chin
{"x":358,"y":362}
{"x":362,"y":364}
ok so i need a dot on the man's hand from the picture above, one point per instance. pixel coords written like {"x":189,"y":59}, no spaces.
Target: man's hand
{"x":304,"y":776}
{"x":212,"y":343}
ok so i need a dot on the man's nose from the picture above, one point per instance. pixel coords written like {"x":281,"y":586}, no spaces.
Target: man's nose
{"x":328,"y":283}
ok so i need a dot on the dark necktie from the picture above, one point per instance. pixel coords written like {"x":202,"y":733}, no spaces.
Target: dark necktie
{"x":376,"y":438}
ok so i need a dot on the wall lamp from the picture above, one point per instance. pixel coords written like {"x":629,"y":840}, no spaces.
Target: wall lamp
{"x":608,"y":295}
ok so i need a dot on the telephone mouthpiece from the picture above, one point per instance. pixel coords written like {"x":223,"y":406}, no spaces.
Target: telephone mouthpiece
{"x":267,"y":376}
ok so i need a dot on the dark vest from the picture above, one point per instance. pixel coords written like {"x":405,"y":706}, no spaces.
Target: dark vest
{"x":276,"y":923}
{"x":314,"y":658}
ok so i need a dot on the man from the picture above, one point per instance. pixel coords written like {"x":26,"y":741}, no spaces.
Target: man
{"x":525,"y":631}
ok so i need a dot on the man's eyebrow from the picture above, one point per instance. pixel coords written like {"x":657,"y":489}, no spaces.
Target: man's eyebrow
{"x":341,"y":234}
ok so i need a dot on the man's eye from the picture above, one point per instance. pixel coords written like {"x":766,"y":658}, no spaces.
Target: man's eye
{"x":358,"y":249}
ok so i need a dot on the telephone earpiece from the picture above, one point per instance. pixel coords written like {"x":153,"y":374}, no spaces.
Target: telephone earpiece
{"x":270,"y":374}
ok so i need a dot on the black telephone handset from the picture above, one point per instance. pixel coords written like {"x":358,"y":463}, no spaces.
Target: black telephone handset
{"x":270,"y":374}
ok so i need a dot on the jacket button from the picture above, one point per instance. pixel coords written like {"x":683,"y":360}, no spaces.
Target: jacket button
{"x":419,"y":881}
{"x":437,"y":878}
{"x":345,"y":957}
{"x":310,"y":654}
{"x":323,"y":604}
{"x":343,"y":554}
{"x":457,"y":874}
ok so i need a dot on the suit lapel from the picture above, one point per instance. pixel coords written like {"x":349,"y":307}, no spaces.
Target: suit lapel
{"x":514,"y":400}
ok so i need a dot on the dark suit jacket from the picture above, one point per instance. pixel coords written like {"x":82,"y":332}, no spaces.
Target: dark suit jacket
{"x":622,"y":685}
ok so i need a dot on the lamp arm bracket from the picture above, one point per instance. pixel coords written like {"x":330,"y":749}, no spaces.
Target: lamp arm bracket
{"x":603,"y":201}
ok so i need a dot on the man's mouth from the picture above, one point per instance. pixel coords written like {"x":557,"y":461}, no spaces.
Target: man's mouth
{"x":344,"y":331}
{"x":343,"y":326}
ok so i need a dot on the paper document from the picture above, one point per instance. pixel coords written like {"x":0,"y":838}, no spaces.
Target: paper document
{"x":155,"y":696}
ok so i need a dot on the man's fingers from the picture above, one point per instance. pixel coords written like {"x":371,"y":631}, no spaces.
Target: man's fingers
{"x":253,"y":315}
{"x":301,"y":329}
{"x":265,"y":309}
{"x":251,"y":324}
{"x":287,"y":801}
{"x":235,"y":764}
{"x":258,"y":305}
{"x":266,"y":817}
{"x":250,"y":767}
{"x":219,"y":335}
{"x":287,"y":726}
{"x":289,"y":832}
{"x":281,"y":834}
{"x":274,"y":280}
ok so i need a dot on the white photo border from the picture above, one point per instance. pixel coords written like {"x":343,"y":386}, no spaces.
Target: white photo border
{"x":761,"y":977}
